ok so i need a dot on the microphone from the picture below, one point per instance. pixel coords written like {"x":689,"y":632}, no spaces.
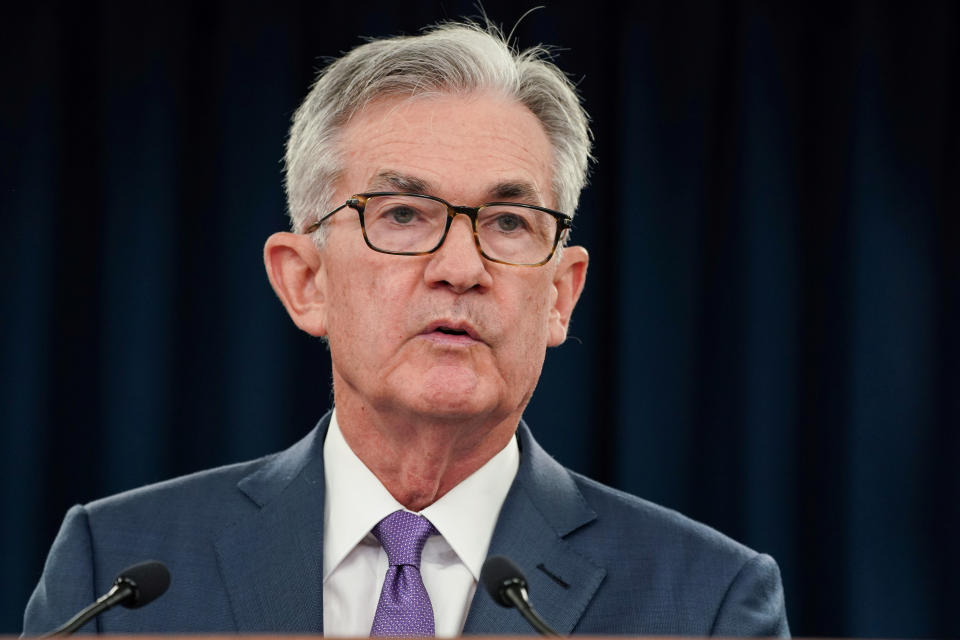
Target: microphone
{"x":134,"y":587}
{"x":507,"y":586}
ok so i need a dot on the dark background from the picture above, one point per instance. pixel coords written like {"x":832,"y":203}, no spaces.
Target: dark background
{"x":768,"y":340}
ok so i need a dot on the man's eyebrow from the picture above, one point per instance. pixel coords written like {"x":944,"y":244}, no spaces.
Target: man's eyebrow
{"x":393,"y":181}
{"x":511,"y":190}
{"x":515,"y":191}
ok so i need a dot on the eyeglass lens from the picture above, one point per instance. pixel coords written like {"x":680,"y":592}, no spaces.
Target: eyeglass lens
{"x":510,"y":233}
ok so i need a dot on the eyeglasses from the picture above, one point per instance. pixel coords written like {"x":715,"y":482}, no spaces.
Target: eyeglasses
{"x":411,"y":224}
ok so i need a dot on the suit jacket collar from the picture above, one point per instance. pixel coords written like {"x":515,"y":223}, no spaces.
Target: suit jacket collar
{"x":542,"y":508}
{"x":272,"y":559}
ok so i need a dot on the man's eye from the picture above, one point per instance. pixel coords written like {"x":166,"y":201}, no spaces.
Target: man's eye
{"x":510,"y":222}
{"x":401,"y":215}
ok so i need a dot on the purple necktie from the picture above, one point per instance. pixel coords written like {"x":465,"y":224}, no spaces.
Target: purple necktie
{"x":404,"y":608}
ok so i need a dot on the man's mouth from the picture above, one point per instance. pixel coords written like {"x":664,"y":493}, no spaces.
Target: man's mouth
{"x":452,"y":333}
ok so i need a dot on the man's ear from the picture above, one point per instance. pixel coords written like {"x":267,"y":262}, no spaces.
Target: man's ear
{"x":568,"y":280}
{"x":295,"y":270}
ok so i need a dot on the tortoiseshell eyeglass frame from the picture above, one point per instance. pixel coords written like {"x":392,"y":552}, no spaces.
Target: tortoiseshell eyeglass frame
{"x":359,"y":201}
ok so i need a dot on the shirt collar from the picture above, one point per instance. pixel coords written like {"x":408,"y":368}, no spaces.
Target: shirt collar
{"x":356,"y":501}
{"x":466,"y":515}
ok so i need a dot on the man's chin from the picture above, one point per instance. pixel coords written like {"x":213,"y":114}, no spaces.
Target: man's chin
{"x":453,"y":392}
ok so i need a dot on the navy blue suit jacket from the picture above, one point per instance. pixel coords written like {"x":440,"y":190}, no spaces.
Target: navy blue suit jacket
{"x":244,"y":545}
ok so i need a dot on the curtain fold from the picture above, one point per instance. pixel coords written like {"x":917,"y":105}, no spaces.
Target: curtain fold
{"x":767,"y":341}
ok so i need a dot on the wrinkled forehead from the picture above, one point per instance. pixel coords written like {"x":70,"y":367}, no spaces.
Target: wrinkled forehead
{"x":464,"y":148}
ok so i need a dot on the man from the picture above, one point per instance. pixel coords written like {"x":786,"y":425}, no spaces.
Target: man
{"x":430,"y":182}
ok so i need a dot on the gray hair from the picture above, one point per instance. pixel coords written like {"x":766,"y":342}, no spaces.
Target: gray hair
{"x":446,"y":58}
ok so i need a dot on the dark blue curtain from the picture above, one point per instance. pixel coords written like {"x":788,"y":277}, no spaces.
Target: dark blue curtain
{"x":768,"y":341}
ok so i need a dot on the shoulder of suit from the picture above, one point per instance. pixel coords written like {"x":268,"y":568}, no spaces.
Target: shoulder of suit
{"x":642,"y":523}
{"x":211,"y":491}
{"x":218,"y":494}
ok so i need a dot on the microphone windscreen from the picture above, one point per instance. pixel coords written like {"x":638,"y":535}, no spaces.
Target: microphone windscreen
{"x":149,"y":580}
{"x":497,"y":574}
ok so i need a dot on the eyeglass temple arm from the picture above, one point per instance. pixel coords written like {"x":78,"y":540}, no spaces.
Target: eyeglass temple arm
{"x":352,"y":202}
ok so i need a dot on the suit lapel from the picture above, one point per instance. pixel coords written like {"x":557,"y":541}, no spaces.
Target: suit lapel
{"x":542,"y":507}
{"x":272,"y":560}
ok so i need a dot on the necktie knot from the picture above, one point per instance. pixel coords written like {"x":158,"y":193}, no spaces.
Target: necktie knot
{"x":402,"y":535}
{"x":404,"y":608}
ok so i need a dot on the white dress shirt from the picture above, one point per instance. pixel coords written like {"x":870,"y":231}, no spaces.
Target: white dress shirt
{"x":354,"y":563}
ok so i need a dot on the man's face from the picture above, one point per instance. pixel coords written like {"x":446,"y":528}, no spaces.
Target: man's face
{"x":396,"y":323}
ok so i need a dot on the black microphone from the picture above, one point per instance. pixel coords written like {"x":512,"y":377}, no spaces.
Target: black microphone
{"x":135,"y":586}
{"x":507,"y":586}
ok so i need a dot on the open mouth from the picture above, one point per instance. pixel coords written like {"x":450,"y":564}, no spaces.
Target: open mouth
{"x":451,"y":332}
{"x":459,"y":332}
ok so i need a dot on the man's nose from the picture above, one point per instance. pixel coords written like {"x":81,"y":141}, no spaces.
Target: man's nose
{"x":458,"y":263}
